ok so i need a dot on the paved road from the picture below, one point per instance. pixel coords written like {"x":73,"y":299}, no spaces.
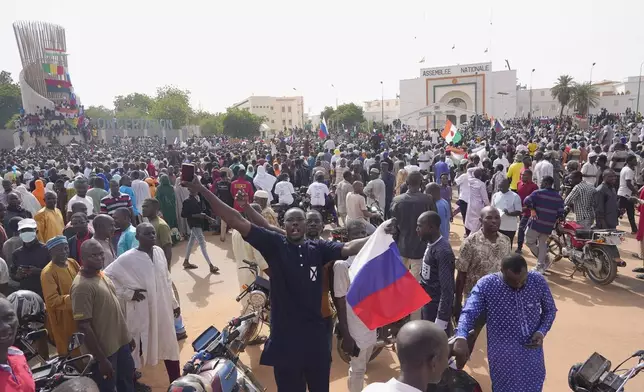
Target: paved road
{"x":608,"y":319}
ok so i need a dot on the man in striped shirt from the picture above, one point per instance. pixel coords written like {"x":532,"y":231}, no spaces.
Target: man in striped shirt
{"x":546,"y":207}
{"x":115,"y":199}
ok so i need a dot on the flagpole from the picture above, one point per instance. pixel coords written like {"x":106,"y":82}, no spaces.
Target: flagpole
{"x":382,"y":105}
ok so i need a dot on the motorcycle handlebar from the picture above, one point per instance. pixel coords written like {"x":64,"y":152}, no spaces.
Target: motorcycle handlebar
{"x":236,"y":322}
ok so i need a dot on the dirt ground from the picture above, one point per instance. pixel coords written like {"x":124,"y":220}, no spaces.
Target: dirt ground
{"x":590,"y":318}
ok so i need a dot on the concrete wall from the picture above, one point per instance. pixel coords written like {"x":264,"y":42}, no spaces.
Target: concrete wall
{"x":9,"y":138}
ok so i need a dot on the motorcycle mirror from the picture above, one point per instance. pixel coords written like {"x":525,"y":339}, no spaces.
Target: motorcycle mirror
{"x":36,"y":335}
{"x":75,"y":341}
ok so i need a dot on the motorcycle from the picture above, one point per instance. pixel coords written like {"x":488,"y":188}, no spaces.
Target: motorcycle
{"x":385,"y":336}
{"x":29,"y":333}
{"x":595,"y":375}
{"x":259,"y":302}
{"x":62,"y":368}
{"x":281,"y":209}
{"x":594,"y":252}
{"x":218,"y":363}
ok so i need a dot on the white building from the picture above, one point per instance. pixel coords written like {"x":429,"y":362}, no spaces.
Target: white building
{"x":373,"y":110}
{"x":613,"y":96}
{"x":456,"y":92}
{"x":279,"y":112}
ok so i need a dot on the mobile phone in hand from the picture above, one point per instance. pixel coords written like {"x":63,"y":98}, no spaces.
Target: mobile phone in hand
{"x":187,"y":172}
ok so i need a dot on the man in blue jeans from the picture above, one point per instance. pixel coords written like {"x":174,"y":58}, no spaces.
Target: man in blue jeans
{"x":99,"y":316}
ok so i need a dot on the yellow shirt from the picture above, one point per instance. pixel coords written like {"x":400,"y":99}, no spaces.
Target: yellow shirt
{"x":56,"y":284}
{"x":50,"y":224}
{"x":532,"y":147}
{"x":514,"y":174}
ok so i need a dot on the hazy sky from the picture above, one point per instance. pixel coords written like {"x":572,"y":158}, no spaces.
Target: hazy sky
{"x":225,"y":51}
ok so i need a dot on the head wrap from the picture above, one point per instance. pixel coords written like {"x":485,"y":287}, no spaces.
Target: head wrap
{"x":59,"y":239}
{"x":262,"y":194}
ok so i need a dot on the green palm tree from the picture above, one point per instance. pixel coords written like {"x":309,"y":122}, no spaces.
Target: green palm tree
{"x":584,"y":97}
{"x":562,"y":91}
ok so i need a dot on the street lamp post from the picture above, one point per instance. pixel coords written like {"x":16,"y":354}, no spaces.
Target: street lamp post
{"x":382,"y":105}
{"x":336,"y":95}
{"x":530,"y":114}
{"x":590,"y":82}
{"x":639,"y":87}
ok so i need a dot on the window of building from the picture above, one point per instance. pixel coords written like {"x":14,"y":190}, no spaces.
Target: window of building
{"x":387,"y":104}
{"x":289,"y":109}
{"x":283,"y":121}
{"x":272,"y":121}
{"x":543,"y":93}
{"x":520,"y":108}
{"x":616,"y":102}
{"x":537,"y":108}
{"x":553,"y":106}
{"x":290,"y":122}
{"x":271,"y":108}
{"x":283,"y":110}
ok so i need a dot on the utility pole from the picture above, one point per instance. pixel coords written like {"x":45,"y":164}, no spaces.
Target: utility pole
{"x":639,"y":87}
{"x":590,"y":82}
{"x":382,"y":105}
{"x":530,"y":114}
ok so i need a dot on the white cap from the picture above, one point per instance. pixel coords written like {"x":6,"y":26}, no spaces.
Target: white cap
{"x":27,"y":223}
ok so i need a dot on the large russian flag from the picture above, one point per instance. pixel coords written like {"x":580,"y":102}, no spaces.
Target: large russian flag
{"x":324,"y":131}
{"x":382,"y":289}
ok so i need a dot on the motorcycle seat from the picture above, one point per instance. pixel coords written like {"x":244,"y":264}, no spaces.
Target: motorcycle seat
{"x":584,"y":234}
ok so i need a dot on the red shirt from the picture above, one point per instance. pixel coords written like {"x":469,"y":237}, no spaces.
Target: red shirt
{"x":16,"y":376}
{"x":524,"y":190}
{"x":241,"y":185}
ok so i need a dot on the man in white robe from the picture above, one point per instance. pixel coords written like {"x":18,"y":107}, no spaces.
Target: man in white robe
{"x":143,"y":285}
{"x":477,"y":200}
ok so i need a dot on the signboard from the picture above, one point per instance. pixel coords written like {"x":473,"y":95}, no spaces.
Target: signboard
{"x":131,"y":124}
{"x":456,"y":70}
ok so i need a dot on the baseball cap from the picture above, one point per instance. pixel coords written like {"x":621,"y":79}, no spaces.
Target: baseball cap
{"x":27,"y":224}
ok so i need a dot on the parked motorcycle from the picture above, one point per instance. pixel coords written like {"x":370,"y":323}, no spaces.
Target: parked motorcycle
{"x":281,"y":209}
{"x":259,"y":302}
{"x":385,"y":336}
{"x":218,"y":364}
{"x":593,"y":252}
{"x":595,"y":375}
{"x":62,"y":368}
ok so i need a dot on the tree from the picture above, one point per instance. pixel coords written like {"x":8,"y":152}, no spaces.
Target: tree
{"x":141,"y":102}
{"x":210,"y":124}
{"x":11,"y":123}
{"x":172,"y":103}
{"x":241,"y":123}
{"x":348,"y":115}
{"x":10,"y":101}
{"x":584,"y":97}
{"x":327,"y":113}
{"x":562,"y":91}
{"x":99,"y":112}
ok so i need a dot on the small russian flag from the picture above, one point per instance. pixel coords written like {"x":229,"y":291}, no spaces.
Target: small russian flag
{"x":498,"y":125}
{"x":382,"y":290}
{"x":324,"y":131}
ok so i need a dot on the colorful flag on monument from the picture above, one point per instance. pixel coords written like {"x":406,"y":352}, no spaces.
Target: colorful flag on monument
{"x":57,"y":86}
{"x":451,"y":133}
{"x":379,"y":280}
{"x":53,"y":69}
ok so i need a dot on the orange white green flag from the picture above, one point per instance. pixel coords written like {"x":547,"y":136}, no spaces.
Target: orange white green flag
{"x":451,"y":133}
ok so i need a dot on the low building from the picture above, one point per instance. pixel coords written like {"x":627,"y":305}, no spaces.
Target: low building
{"x":373,"y":110}
{"x":279,"y":112}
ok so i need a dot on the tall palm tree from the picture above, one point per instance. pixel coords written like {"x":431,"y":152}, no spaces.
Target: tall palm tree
{"x":562,"y":91}
{"x":584,"y":97}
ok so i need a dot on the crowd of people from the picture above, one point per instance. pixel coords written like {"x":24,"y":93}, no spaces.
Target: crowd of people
{"x":64,"y":119}
{"x":91,"y":230}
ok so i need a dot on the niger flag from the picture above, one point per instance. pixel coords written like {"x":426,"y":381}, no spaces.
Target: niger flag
{"x":451,"y":133}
